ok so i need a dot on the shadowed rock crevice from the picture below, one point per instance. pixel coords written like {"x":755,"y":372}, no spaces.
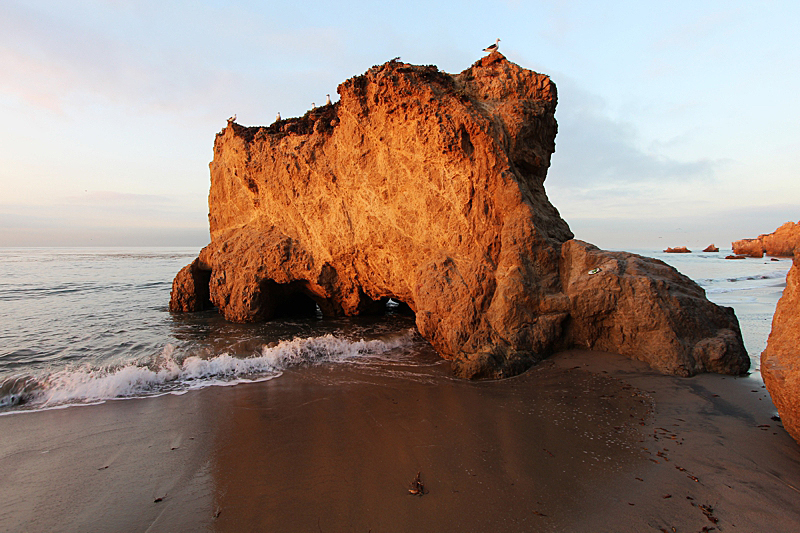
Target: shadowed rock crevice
{"x":276,"y":300}
{"x":428,"y":188}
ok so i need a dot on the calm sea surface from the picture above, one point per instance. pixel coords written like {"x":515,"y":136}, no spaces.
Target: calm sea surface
{"x":83,"y":325}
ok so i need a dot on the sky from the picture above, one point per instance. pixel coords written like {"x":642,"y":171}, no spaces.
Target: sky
{"x":678,"y":121}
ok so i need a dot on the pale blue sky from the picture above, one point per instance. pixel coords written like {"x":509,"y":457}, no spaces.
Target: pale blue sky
{"x":678,"y":121}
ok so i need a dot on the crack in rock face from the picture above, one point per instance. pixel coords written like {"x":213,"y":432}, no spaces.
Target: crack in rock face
{"x":428,"y":188}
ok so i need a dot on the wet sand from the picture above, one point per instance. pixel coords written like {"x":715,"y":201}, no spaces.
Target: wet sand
{"x":584,"y":442}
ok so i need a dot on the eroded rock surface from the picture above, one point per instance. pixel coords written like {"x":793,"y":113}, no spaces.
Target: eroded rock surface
{"x":428,"y":188}
{"x":781,"y":243}
{"x":645,"y":309}
{"x":780,"y":361}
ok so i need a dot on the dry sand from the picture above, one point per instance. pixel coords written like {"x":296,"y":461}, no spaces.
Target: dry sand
{"x":584,"y":442}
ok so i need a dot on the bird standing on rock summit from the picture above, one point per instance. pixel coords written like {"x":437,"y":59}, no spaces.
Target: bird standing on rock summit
{"x":493,"y":48}
{"x":327,"y":99}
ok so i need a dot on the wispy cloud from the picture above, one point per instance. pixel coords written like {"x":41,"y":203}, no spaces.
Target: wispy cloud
{"x":593,"y":150}
{"x":153,"y":58}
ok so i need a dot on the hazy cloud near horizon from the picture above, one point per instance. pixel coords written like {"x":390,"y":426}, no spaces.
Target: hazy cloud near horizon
{"x":105,"y":218}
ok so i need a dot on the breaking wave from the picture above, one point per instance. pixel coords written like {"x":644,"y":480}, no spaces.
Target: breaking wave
{"x":168,"y":373}
{"x":743,"y":283}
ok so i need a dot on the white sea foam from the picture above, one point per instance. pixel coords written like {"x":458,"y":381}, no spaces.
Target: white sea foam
{"x":168,"y":374}
{"x":781,"y":274}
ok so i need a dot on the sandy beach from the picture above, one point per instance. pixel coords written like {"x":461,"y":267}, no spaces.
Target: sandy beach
{"x":583,"y":442}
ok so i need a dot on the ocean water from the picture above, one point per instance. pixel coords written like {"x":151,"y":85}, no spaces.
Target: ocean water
{"x":85,"y":325}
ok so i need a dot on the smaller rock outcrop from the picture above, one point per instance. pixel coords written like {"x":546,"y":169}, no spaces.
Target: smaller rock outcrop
{"x":678,"y":250}
{"x":645,"y":309}
{"x":711,"y":248}
{"x":190,"y":290}
{"x":782,"y":242}
{"x":735,"y":257}
{"x":748,"y":248}
{"x":780,"y":362}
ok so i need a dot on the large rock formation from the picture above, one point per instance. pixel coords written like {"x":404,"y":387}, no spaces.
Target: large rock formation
{"x":780,"y":362}
{"x":428,"y":188}
{"x":782,"y":242}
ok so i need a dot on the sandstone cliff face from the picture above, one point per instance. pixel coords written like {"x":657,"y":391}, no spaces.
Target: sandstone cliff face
{"x":428,"y":188}
{"x":780,"y":362}
{"x":782,"y":242}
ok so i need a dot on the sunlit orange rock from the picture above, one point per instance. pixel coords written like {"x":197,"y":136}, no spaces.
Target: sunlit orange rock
{"x":780,"y":361}
{"x":781,"y":243}
{"x":428,"y":188}
{"x":678,"y":250}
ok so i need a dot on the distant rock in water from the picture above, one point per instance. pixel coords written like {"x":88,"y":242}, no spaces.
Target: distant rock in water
{"x":428,"y":188}
{"x":678,"y":250}
{"x":780,"y":362}
{"x":711,"y":248}
{"x":781,"y":243}
{"x":748,"y":248}
{"x":735,"y":257}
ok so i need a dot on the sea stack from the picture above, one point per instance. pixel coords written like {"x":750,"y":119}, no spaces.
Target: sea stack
{"x":780,"y":362}
{"x":428,"y":188}
{"x":783,"y":242}
{"x":711,"y":248}
{"x":678,"y":250}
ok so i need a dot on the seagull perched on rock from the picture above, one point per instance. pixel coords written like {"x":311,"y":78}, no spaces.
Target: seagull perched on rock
{"x":327,"y":99}
{"x":278,"y":118}
{"x":232,"y":119}
{"x":493,"y":47}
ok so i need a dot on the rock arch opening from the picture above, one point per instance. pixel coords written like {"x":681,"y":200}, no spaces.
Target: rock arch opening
{"x":285,"y":300}
{"x":395,"y":306}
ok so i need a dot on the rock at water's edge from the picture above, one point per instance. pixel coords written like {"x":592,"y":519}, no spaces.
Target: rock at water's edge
{"x":780,"y":361}
{"x":645,"y":309}
{"x":428,"y":188}
{"x":190,"y":288}
{"x":782,"y":242}
{"x":711,"y":248}
{"x":678,"y":250}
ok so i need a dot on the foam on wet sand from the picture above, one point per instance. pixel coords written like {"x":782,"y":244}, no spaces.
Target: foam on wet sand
{"x":586,"y":441}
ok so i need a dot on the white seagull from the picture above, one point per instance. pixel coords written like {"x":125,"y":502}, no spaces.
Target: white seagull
{"x":493,"y":48}
{"x":278,"y":118}
{"x":327,"y":99}
{"x":232,"y":119}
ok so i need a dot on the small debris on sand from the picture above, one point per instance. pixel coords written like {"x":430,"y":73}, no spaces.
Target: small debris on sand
{"x":417,"y":487}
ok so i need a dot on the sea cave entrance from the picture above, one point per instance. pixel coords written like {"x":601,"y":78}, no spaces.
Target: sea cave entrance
{"x":296,"y":300}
